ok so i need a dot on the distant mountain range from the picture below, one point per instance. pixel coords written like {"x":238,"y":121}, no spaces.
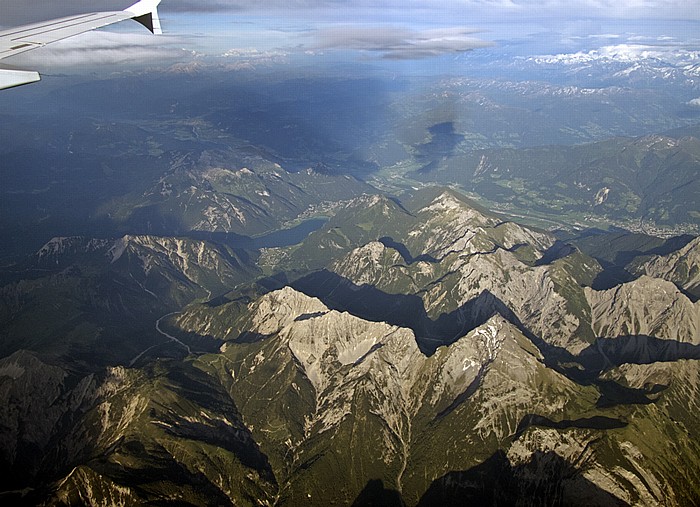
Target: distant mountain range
{"x":651,"y":64}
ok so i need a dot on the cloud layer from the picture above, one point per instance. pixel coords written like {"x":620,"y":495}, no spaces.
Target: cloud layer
{"x":389,"y":29}
{"x":103,"y":48}
{"x":398,"y":43}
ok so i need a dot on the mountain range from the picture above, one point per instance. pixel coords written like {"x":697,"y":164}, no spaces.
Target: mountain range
{"x":353,"y":286}
{"x":413,"y":351}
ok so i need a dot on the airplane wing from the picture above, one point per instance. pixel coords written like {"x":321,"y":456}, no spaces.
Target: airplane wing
{"x":24,"y":38}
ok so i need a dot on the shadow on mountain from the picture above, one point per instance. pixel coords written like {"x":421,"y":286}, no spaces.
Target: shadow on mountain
{"x":596,"y":422}
{"x":606,"y":353}
{"x":467,"y":393}
{"x":375,"y":494}
{"x":617,"y":249}
{"x":369,"y":303}
{"x":194,"y":384}
{"x":557,"y":251}
{"x":613,"y":394}
{"x":275,"y":239}
{"x":611,"y":276}
{"x":693,"y":294}
{"x":154,"y":464}
{"x":547,"y":479}
{"x":672,"y":245}
{"x":405,"y":254}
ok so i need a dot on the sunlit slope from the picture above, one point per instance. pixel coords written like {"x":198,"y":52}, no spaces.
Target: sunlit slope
{"x":448,"y":355}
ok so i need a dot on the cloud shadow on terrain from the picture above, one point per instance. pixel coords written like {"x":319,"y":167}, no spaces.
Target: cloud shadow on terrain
{"x":442,"y":146}
{"x":324,"y":123}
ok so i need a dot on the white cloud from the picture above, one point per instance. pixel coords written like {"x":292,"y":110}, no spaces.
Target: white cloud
{"x":694,"y":102}
{"x":398,"y":42}
{"x":392,"y":29}
{"x":253,"y":53}
{"x":103,"y":48}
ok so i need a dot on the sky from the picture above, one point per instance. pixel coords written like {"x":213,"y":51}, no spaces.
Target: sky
{"x":389,"y":30}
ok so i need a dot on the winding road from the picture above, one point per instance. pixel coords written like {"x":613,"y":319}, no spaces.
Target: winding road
{"x":168,"y":336}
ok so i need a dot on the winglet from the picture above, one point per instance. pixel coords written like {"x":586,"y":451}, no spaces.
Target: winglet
{"x":146,"y":13}
{"x":24,"y":38}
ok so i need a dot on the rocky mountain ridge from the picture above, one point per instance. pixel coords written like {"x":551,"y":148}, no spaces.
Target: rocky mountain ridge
{"x":427,"y":351}
{"x":108,"y":293}
{"x":506,"y":377}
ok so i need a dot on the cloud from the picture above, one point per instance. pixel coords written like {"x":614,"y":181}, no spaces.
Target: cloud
{"x":398,"y":43}
{"x":694,"y":102}
{"x":104,"y":48}
{"x":390,"y":29}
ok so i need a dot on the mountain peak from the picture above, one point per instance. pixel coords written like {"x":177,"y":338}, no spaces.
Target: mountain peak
{"x":278,"y":309}
{"x":681,"y":267}
{"x":646,"y":306}
{"x":63,"y":245}
{"x":446,"y":199}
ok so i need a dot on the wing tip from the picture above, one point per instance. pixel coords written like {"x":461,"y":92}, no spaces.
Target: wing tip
{"x":143,"y":7}
{"x":9,"y":78}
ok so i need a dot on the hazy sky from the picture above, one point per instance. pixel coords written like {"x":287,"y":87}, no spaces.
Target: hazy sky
{"x":447,"y":11}
{"x":383,"y":30}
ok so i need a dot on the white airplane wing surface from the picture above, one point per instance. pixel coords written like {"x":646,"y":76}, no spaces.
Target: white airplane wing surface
{"x":24,"y":38}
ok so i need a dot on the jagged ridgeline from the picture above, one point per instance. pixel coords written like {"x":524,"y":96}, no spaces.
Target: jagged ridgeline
{"x":413,"y":351}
